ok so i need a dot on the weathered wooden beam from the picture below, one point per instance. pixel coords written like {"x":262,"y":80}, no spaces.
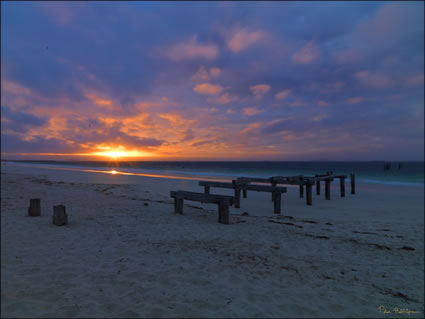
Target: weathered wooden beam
{"x":301,"y":191}
{"x":34,"y":209}
{"x":216,"y":184}
{"x":223,"y":213}
{"x":342,"y":186}
{"x":277,"y":202}
{"x":245,"y":193}
{"x":253,"y":180}
{"x":353,"y":183}
{"x":328,"y":189}
{"x":203,"y":198}
{"x":264,"y":188}
{"x":317,"y":187}
{"x":206,"y":189}
{"x":323,"y":178}
{"x":273,"y":185}
{"x":59,"y":215}
{"x":237,"y":197}
{"x":243,"y":186}
{"x":308,"y":191}
{"x":178,"y":205}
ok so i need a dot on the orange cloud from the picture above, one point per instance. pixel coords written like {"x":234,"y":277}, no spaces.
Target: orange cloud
{"x":260,"y":89}
{"x":13,"y":88}
{"x":177,"y":120}
{"x":283,"y":94}
{"x":323,"y":103}
{"x":223,"y":99}
{"x":209,"y":89}
{"x":250,"y":111}
{"x":242,"y":39}
{"x":190,"y":50}
{"x":204,"y":75}
{"x":215,"y":72}
{"x":103,"y":102}
{"x":251,"y":127}
{"x":308,"y":54}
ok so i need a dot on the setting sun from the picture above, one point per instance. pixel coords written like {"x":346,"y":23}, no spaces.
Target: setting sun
{"x":118,"y":152}
{"x":114,"y":154}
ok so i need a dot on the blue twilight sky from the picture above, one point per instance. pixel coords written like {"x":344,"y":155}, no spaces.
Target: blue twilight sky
{"x":213,"y":80}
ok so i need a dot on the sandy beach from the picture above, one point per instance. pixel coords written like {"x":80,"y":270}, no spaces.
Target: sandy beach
{"x":126,"y":254}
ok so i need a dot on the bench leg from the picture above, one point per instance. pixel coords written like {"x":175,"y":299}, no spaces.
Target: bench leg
{"x":309,"y":191}
{"x":328,"y":189}
{"x":237,"y":197}
{"x":206,"y":189}
{"x":223,"y":213}
{"x":342,"y":186}
{"x":301,"y":191}
{"x":178,"y":206}
{"x":353,"y":184}
{"x":317,"y":187}
{"x":277,"y":202}
{"x":245,"y":193}
{"x":273,"y":194}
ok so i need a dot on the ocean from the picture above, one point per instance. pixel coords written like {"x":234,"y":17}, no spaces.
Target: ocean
{"x":377,"y":172}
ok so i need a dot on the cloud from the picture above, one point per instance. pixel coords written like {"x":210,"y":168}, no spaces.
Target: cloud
{"x":251,"y":128}
{"x":308,"y":54}
{"x":188,"y":135}
{"x":260,"y":89}
{"x":215,"y":72}
{"x":415,"y":80}
{"x":190,"y":49}
{"x":62,"y":13}
{"x":282,"y":95}
{"x":209,"y":89}
{"x":374,"y":80}
{"x":14,"y":88}
{"x":297,"y":103}
{"x":17,"y":122}
{"x":356,"y":100}
{"x":250,"y":111}
{"x":323,"y":103}
{"x":103,"y":102}
{"x":346,"y":56}
{"x":241,"y":39}
{"x":393,"y":22}
{"x":204,"y":75}
{"x":223,"y":99}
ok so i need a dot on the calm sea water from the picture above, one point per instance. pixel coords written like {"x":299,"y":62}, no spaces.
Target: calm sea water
{"x":401,"y":173}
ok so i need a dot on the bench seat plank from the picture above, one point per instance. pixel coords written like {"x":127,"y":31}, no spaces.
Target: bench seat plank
{"x":203,"y":198}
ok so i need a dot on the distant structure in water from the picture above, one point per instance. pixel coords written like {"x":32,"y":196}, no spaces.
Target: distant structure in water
{"x":387,"y":166}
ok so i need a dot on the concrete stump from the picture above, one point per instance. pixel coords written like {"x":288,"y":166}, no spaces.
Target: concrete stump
{"x":59,"y":215}
{"x":34,"y":209}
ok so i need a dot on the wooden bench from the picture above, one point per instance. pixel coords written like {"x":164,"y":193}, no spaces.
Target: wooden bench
{"x":222,"y":202}
{"x":238,"y":186}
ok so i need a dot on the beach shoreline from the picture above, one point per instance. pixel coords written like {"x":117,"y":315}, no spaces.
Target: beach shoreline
{"x":119,"y":258}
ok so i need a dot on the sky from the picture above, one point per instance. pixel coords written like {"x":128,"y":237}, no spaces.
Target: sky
{"x":212,"y":80}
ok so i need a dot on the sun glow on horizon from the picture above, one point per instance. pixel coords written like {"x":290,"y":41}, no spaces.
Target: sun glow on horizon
{"x":119,"y":152}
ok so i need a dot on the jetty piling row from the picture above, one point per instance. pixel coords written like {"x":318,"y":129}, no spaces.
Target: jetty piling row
{"x":243,"y":184}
